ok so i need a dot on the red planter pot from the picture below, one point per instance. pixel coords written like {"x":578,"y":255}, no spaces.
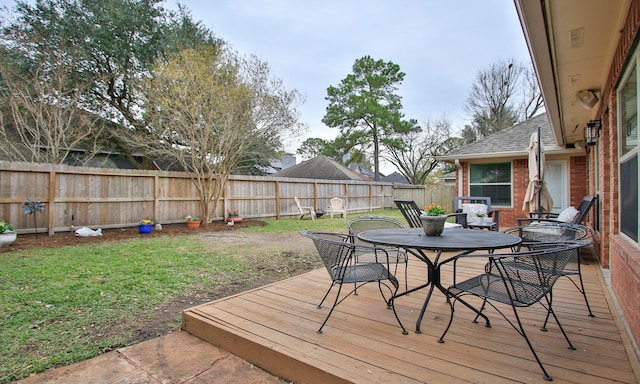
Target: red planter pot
{"x":194,"y":224}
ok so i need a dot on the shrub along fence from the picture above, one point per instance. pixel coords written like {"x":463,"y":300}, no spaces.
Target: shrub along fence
{"x":116,"y":198}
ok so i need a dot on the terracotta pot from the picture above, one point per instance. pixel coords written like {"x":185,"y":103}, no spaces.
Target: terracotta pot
{"x":433,"y":225}
{"x":235,"y":219}
{"x":194,"y":223}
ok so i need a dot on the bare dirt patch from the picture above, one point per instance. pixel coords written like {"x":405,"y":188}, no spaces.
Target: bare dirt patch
{"x":61,"y":239}
{"x":273,"y":257}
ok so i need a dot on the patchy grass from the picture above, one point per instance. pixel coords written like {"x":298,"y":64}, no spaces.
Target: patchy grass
{"x":325,"y":223}
{"x":63,"y":305}
{"x":56,"y":302}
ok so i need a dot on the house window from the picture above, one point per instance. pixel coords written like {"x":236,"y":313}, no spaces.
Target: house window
{"x":492,"y":180}
{"x":628,"y":135}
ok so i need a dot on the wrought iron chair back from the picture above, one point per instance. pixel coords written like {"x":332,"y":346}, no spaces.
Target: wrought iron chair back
{"x":519,"y":279}
{"x":547,"y":234}
{"x":410,"y":211}
{"x":583,"y":210}
{"x":360,"y":224}
{"x":337,"y":252}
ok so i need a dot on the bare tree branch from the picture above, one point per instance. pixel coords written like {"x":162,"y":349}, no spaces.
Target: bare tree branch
{"x":208,"y":108}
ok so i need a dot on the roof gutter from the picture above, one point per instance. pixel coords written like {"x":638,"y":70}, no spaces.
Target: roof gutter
{"x":534,"y":16}
{"x":554,"y":150}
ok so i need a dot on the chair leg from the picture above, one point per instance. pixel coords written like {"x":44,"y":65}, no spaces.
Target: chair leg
{"x":484,"y":303}
{"x":335,"y":303}
{"x":391,"y":304}
{"x":475,"y":320}
{"x":325,"y":295}
{"x":441,"y":339}
{"x":566,"y":337}
{"x":526,"y":338}
{"x":581,"y":290}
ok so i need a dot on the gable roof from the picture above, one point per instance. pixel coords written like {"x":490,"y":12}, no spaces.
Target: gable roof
{"x":510,"y":142}
{"x":321,"y":167}
{"x":395,"y":177}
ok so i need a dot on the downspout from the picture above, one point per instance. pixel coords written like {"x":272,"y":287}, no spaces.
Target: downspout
{"x":459,"y":177}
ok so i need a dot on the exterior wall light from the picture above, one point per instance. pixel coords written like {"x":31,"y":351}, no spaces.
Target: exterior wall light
{"x":592,"y":131}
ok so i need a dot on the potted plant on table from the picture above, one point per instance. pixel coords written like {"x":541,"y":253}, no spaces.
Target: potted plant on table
{"x":193,"y":221}
{"x":145,"y":226}
{"x":433,"y":219}
{"x":7,"y":236}
{"x":480,"y":217}
{"x":233,"y":216}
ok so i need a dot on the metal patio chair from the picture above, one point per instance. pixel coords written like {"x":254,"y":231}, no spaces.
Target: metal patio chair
{"x":519,"y":279}
{"x":368,"y":222}
{"x":583,"y":209}
{"x":547,"y":234}
{"x":410,"y":211}
{"x":337,"y":252}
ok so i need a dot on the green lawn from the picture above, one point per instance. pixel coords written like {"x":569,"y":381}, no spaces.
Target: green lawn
{"x":60,"y":306}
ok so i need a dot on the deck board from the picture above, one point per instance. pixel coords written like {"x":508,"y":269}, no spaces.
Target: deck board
{"x":274,"y":327}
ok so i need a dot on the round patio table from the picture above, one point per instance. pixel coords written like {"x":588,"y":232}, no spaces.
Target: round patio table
{"x":416,"y":242}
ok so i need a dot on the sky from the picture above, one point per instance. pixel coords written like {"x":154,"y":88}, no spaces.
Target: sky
{"x":311,"y":45}
{"x":440,"y":46}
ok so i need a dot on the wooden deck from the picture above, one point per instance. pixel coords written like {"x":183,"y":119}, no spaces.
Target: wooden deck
{"x":274,"y":328}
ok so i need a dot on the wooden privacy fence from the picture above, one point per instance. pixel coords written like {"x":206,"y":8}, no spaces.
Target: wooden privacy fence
{"x":426,"y":194}
{"x":115,"y":198}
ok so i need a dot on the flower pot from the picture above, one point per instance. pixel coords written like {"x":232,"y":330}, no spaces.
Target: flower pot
{"x":145,"y":229}
{"x":433,"y":225}
{"x":6,"y":239}
{"x":479,"y":220}
{"x":235,"y":219}
{"x":194,"y":223}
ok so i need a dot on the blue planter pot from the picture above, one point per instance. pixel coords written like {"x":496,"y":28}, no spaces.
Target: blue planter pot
{"x":145,"y":229}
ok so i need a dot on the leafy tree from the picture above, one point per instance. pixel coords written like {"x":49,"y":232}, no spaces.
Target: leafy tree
{"x":501,"y":96}
{"x":315,"y":146}
{"x":107,"y":44}
{"x":366,"y":108}
{"x":340,"y":149}
{"x":209,"y":109}
{"x":415,"y":156}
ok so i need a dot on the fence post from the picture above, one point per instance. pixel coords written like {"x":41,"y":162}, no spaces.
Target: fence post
{"x":52,"y":202}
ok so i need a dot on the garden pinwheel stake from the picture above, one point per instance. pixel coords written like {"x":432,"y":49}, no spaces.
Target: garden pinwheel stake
{"x":32,"y":208}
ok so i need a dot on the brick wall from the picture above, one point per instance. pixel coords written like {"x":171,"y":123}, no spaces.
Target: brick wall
{"x":620,"y":254}
{"x":578,"y":174}
{"x":625,"y":281}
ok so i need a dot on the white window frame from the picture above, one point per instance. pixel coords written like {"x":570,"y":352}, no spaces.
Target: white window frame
{"x":634,"y":63}
{"x":510,"y":183}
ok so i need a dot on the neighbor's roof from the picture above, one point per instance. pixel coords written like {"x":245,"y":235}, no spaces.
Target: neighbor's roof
{"x":510,"y":142}
{"x":395,"y":177}
{"x":321,"y":167}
